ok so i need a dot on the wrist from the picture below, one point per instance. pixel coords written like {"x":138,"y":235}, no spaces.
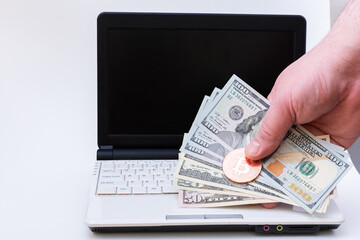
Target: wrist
{"x":343,"y":40}
{"x":340,"y":49}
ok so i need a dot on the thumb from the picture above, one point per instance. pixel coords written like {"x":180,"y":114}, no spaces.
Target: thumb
{"x":276,"y":123}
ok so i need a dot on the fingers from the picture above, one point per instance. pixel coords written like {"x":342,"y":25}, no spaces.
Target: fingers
{"x":276,"y":123}
{"x":269,"y":205}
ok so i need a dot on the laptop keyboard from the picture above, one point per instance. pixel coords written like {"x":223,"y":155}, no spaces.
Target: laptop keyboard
{"x":136,"y":177}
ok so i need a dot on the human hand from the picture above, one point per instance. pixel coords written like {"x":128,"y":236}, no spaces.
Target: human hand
{"x":321,"y":90}
{"x":321,"y":94}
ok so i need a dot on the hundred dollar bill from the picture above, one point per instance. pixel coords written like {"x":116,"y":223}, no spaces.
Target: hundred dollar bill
{"x":187,"y":185}
{"x":203,"y":199}
{"x":206,"y":100}
{"x":206,"y":140}
{"x":334,"y":193}
{"x":235,"y":116}
{"x":182,"y":184}
{"x":336,"y":148}
{"x":324,"y":205}
{"x":260,"y":182}
{"x":325,"y":138}
{"x":214,"y":94}
{"x":200,"y":152}
{"x":198,"y":140}
{"x":339,"y":150}
{"x":321,"y":209}
{"x":304,"y":168}
{"x":202,"y":105}
{"x":194,"y":171}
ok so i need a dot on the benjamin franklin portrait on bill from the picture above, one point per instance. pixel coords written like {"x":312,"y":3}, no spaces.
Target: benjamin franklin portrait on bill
{"x":241,"y":137}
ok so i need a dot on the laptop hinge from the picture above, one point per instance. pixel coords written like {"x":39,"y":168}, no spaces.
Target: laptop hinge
{"x":121,"y":154}
{"x":106,"y":147}
{"x":151,"y":153}
{"x":105,"y":152}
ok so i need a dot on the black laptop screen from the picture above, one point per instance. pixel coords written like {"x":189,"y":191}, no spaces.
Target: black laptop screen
{"x":157,"y":78}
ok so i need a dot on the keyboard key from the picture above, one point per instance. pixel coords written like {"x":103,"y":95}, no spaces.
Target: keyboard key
{"x":150,"y":165}
{"x":139,"y":190}
{"x":128,"y":171}
{"x":160,"y":177}
{"x":106,"y":190}
{"x":166,"y":165}
{"x":156,"y":171}
{"x":131,"y":177}
{"x":111,"y":182}
{"x":135,"y":166}
{"x":142,"y":171}
{"x":123,"y":190}
{"x":135,"y":183}
{"x":146,"y":177}
{"x":108,"y":170}
{"x":164,"y":183}
{"x":150,"y":183}
{"x":121,"y":183}
{"x":111,"y":177}
{"x":169,"y":189}
{"x":107,"y":182}
{"x":170,"y":170}
{"x":121,"y":165}
{"x":108,"y":165}
{"x":154,"y":189}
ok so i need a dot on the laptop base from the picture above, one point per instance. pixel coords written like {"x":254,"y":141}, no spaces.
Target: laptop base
{"x":262,"y":229}
{"x":161,"y":213}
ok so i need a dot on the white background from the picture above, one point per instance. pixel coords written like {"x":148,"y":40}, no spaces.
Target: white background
{"x":48,"y":120}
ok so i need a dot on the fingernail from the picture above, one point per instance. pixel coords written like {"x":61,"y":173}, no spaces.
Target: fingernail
{"x":253,"y":148}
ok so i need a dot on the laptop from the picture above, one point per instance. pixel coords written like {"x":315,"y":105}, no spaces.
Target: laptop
{"x":153,"y":71}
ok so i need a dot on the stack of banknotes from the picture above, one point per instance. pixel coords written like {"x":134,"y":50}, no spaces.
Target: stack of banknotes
{"x":303,"y":171}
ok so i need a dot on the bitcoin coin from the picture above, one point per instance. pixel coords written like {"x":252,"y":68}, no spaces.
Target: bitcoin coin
{"x":238,"y":168}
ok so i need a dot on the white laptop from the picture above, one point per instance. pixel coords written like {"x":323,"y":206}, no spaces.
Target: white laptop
{"x":153,"y":71}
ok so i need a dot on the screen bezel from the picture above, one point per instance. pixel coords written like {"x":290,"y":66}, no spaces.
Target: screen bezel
{"x":108,"y":20}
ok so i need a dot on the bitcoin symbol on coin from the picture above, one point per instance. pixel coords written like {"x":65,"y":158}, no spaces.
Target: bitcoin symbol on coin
{"x":241,"y":163}
{"x":238,"y":169}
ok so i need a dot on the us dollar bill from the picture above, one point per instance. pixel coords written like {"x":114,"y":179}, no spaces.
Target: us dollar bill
{"x":205,"y":102}
{"x":260,"y":182}
{"x":200,"y":152}
{"x":227,"y":120}
{"x":206,"y":140}
{"x":204,"y":199}
{"x":188,"y":185}
{"x":235,"y":116}
{"x":194,"y":171}
{"x":339,"y":150}
{"x":305,"y":168}
{"x":198,"y":140}
{"x":324,"y":205}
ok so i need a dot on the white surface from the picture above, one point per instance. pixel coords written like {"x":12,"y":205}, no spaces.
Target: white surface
{"x":48,"y":112}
